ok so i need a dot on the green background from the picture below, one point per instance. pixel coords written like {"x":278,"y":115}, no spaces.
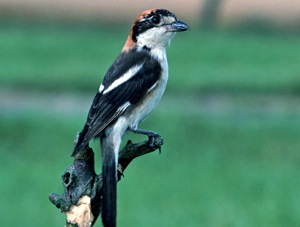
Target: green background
{"x":229,"y":119}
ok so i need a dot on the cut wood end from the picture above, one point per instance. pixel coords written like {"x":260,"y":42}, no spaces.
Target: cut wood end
{"x":81,"y":214}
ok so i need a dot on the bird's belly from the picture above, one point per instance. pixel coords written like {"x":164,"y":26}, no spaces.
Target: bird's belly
{"x":142,"y":109}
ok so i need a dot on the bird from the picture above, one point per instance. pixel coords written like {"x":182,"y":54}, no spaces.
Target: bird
{"x":129,"y":91}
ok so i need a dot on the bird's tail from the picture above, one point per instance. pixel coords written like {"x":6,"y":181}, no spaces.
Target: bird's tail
{"x":109,"y":174}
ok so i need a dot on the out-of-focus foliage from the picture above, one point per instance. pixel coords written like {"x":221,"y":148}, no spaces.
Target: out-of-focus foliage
{"x":61,"y":57}
{"x":229,"y":119}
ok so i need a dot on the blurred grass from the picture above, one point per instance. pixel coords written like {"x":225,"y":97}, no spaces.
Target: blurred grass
{"x":72,"y":57}
{"x":236,"y":167}
{"x":212,"y":171}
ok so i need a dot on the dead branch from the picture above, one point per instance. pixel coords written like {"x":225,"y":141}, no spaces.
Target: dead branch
{"x":82,"y":197}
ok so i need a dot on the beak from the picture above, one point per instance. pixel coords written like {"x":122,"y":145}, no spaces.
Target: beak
{"x":177,"y":26}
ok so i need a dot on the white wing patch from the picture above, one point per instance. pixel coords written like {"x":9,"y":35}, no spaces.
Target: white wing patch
{"x":101,"y":88}
{"x":129,"y":74}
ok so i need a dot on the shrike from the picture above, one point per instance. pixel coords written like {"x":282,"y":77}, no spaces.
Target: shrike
{"x":131,"y":88}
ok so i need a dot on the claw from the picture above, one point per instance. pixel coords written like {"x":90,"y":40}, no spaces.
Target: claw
{"x":159,"y":149}
{"x":152,"y":139}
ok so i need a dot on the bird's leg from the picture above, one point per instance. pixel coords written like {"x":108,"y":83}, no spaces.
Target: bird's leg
{"x":151,"y":137}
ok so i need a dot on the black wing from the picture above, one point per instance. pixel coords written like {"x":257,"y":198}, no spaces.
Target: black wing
{"x":110,"y":103}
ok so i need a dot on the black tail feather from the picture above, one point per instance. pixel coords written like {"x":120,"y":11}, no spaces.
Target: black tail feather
{"x":109,"y":200}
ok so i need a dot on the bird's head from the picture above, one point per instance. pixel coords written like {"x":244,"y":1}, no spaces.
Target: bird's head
{"x":154,"y":29}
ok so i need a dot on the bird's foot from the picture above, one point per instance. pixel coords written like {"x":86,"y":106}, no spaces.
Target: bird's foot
{"x":155,"y":141}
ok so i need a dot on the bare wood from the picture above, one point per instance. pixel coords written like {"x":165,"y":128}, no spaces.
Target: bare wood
{"x":82,"y":197}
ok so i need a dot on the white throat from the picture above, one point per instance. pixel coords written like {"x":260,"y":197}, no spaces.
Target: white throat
{"x":155,"y":38}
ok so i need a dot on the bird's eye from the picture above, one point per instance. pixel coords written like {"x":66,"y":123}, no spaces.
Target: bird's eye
{"x":155,"y":20}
